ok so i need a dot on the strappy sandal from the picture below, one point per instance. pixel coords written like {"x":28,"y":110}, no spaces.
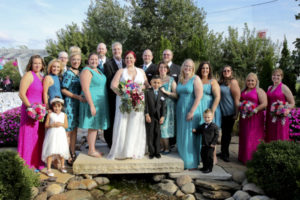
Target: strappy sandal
{"x":95,"y":154}
{"x":49,"y":173}
{"x":72,"y":158}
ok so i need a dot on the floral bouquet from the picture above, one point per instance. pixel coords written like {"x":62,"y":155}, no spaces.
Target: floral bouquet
{"x":132,"y":97}
{"x":37,"y":111}
{"x":277,"y":110}
{"x":246,"y":108}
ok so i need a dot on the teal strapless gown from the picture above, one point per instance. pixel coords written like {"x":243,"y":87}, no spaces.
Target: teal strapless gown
{"x":207,"y":102}
{"x":188,"y":144}
{"x":99,"y":97}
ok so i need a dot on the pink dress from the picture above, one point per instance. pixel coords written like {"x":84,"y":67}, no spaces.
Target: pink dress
{"x":31,"y":135}
{"x":276,"y":131}
{"x":251,"y":129}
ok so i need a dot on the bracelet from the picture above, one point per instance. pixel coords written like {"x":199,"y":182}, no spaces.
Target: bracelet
{"x":255,"y":110}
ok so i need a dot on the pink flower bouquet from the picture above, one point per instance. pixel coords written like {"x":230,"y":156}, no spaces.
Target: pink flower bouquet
{"x":37,"y":111}
{"x":277,"y":111}
{"x":132,"y":97}
{"x":246,"y":108}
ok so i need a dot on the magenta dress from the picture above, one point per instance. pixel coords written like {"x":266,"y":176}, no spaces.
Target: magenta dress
{"x":31,"y":134}
{"x":251,"y":129}
{"x":276,"y":131}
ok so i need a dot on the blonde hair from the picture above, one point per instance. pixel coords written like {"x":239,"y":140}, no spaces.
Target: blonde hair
{"x":55,"y":60}
{"x":74,"y":51}
{"x":182,"y":75}
{"x":255,"y":77}
{"x":279,"y":71}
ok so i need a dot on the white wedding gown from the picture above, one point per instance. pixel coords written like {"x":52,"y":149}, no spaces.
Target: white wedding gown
{"x":129,"y":133}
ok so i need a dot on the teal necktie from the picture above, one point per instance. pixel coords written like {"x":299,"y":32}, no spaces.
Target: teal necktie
{"x":101,"y":65}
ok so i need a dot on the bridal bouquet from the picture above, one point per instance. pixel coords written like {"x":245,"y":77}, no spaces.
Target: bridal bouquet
{"x":37,"y":111}
{"x":132,"y":97}
{"x":246,"y":108}
{"x":277,"y":110}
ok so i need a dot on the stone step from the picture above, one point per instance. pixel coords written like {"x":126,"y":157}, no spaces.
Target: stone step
{"x":218,"y":173}
{"x":85,"y":164}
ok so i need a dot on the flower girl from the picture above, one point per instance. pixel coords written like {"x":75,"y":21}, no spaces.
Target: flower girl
{"x":55,"y":142}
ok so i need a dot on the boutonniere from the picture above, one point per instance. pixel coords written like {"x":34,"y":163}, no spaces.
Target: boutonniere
{"x":162,"y":98}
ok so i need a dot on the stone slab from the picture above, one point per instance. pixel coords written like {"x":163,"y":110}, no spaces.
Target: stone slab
{"x":218,"y":173}
{"x":85,"y":164}
{"x":60,"y":177}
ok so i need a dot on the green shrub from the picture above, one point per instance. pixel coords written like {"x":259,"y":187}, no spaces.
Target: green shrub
{"x":275,"y":167}
{"x":13,"y":72}
{"x":16,"y":179}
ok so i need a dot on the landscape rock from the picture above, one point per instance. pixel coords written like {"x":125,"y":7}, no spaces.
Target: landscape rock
{"x":167,"y":181}
{"x":179,"y":194}
{"x":158,"y":177}
{"x":199,"y":196}
{"x":189,"y":197}
{"x":241,"y":195}
{"x":102,"y":180}
{"x":217,"y":185}
{"x":182,"y":180}
{"x":54,"y":189}
{"x":231,"y":198}
{"x":239,"y":176}
{"x":167,"y":188}
{"x":113,"y":192}
{"x":42,"y":196}
{"x":188,"y":188}
{"x":73,"y":195}
{"x":216,"y":194}
{"x":245,"y":182}
{"x":259,"y":197}
{"x":105,"y":187}
{"x":89,"y":183}
{"x":34,"y":192}
{"x":97,"y":194}
{"x":87,"y":176}
{"x":253,"y":189}
{"x":75,"y":185}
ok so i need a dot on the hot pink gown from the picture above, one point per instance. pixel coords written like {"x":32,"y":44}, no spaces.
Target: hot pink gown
{"x":276,"y":131}
{"x":31,"y":135}
{"x":251,"y":129}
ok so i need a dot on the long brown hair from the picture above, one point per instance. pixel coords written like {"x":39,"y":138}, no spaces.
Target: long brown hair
{"x":200,"y":69}
{"x":224,"y":80}
{"x":30,"y":62}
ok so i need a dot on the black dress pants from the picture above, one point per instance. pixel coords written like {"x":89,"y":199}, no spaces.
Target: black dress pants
{"x":153,"y":136}
{"x":227,"y":126}
{"x":207,"y":155}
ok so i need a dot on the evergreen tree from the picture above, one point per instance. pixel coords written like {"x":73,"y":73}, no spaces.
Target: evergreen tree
{"x":286,"y":64}
{"x":265,"y":76}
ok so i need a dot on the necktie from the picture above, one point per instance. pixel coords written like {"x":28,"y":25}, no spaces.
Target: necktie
{"x":156,"y":94}
{"x":145,"y":67}
{"x":101,"y":65}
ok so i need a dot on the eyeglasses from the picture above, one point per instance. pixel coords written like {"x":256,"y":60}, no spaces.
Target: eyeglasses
{"x":188,"y":66}
{"x":227,"y":70}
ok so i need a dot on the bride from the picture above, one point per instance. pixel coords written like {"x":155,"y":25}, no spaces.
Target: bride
{"x":129,"y":133}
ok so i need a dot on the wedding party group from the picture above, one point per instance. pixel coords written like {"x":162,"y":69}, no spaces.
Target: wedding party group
{"x":145,"y":109}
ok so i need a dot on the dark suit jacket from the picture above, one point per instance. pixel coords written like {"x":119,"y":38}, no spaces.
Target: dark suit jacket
{"x":175,"y":71}
{"x":155,"y":108}
{"x":209,"y":134}
{"x":110,"y":69}
{"x":150,"y":71}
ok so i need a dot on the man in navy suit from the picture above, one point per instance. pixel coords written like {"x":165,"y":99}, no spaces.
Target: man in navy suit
{"x":110,"y":68}
{"x":149,"y":68}
{"x":102,"y":50}
{"x":174,"y":69}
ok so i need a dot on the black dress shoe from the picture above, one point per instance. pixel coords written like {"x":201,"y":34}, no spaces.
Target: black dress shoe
{"x":202,"y":169}
{"x":151,"y":156}
{"x":158,"y":155}
{"x":219,"y":154}
{"x":225,"y":158}
{"x":206,"y":171}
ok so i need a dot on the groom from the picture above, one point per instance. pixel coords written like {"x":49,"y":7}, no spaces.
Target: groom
{"x":110,"y":68}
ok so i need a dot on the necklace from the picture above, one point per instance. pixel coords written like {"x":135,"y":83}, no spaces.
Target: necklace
{"x":74,"y":68}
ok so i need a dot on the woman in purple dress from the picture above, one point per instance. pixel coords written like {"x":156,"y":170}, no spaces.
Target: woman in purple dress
{"x":278,"y":91}
{"x":31,"y":134}
{"x":252,"y":127}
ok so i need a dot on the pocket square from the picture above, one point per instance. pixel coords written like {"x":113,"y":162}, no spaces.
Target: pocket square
{"x":162,"y":98}
{"x":174,"y":75}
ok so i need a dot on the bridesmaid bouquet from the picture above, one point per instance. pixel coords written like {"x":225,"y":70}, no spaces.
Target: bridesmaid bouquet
{"x":37,"y":111}
{"x":246,"y":108}
{"x":277,"y":110}
{"x":132,"y":97}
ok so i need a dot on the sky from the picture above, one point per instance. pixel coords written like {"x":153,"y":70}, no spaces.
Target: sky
{"x":32,"y":22}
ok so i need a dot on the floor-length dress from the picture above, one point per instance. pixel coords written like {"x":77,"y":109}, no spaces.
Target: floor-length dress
{"x":276,"y":131}
{"x":207,"y":102}
{"x":188,"y":143}
{"x":56,"y":142}
{"x":31,"y":133}
{"x":129,"y":132}
{"x":99,"y":97}
{"x":168,"y":127}
{"x":251,"y":128}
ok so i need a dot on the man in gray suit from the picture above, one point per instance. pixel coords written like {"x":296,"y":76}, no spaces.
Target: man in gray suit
{"x":174,"y":69}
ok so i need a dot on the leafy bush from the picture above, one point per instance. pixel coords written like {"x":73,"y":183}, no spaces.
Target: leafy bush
{"x":16,"y":179}
{"x":12,"y":71}
{"x":9,"y":127}
{"x":275,"y":167}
